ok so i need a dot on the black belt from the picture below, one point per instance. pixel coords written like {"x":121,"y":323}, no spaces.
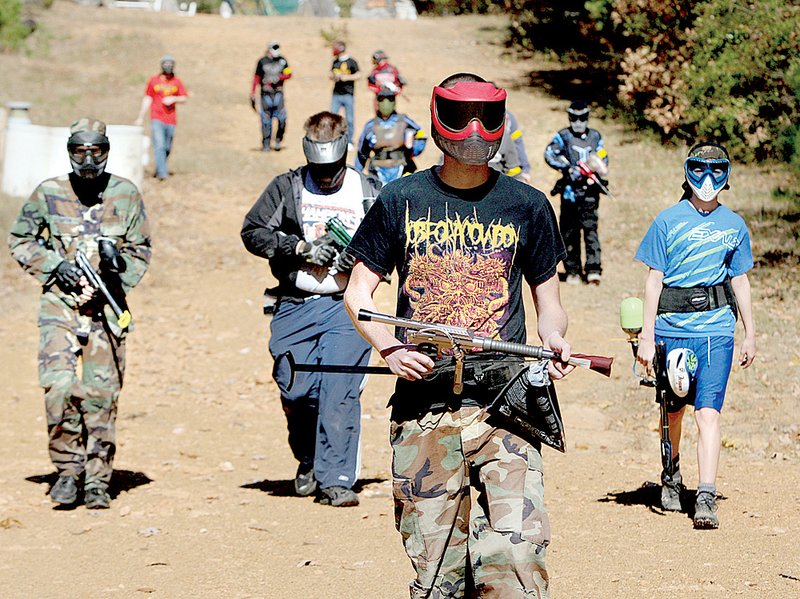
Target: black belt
{"x":483,"y":380}
{"x":697,"y":299}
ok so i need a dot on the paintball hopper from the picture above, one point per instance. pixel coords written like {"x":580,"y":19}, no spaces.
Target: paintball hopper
{"x":631,"y":316}
{"x":596,"y":164}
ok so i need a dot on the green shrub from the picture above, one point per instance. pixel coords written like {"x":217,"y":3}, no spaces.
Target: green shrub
{"x":12,"y":29}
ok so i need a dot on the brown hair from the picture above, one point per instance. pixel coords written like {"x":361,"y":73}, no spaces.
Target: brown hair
{"x":325,"y":126}
{"x":462,"y":77}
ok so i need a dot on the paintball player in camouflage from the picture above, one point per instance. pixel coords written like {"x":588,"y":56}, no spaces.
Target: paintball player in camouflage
{"x":463,"y":251}
{"x":102,"y":216}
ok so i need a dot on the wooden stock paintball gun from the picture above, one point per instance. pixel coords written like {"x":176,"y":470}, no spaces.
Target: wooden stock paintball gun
{"x":123,"y":316}
{"x":631,"y":317}
{"x":437,"y":338}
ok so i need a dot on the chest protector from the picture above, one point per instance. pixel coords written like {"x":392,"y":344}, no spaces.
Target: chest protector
{"x":272,"y":75}
{"x":390,"y":144}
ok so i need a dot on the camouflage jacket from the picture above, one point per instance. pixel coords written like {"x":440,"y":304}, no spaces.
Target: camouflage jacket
{"x":54,"y":224}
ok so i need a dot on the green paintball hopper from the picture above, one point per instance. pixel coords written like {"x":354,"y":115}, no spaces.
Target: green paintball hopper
{"x":631,"y":315}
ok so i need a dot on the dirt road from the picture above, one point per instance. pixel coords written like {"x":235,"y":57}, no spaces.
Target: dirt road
{"x":203,"y":503}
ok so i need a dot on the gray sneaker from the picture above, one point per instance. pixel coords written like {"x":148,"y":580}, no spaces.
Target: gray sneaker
{"x":705,"y":511}
{"x":671,"y":489}
{"x":97,"y":499}
{"x":304,"y":481}
{"x":338,"y":497}
{"x":65,"y":491}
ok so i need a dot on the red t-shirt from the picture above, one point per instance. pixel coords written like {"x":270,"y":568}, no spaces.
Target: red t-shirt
{"x":159,"y":87}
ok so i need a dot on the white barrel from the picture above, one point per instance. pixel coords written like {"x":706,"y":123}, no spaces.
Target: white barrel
{"x":34,"y":153}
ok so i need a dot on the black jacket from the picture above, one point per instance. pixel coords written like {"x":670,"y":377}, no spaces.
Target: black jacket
{"x":274,"y":225}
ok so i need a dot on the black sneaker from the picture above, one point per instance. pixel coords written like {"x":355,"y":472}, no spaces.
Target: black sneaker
{"x":96,"y":499}
{"x":65,"y":491}
{"x":705,"y":511}
{"x":305,"y":483}
{"x":338,"y":497}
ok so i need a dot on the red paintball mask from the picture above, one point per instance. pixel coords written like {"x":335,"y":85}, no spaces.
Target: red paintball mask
{"x":468,"y":120}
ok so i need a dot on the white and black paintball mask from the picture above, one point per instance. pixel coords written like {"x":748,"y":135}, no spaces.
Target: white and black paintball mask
{"x":578,"y":113}
{"x":327,"y":161}
{"x":88,"y":148}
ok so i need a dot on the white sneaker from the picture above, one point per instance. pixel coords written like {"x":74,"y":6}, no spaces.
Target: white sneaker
{"x":593,"y":278}
{"x":573,"y":280}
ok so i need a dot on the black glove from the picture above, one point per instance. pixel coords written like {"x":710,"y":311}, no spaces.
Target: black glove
{"x":110,"y":258}
{"x":287,"y":244}
{"x":320,"y":251}
{"x":67,"y":276}
{"x":344,"y":262}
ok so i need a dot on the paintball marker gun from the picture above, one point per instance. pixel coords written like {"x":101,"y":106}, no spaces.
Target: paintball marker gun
{"x":631,"y":318}
{"x":594,"y":168}
{"x":436,"y":338}
{"x":82,"y":262}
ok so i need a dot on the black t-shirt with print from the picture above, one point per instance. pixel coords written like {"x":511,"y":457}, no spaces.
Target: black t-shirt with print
{"x":462,"y":255}
{"x":344,"y":67}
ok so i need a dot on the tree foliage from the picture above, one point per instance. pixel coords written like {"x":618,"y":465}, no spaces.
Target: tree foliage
{"x":722,"y":69}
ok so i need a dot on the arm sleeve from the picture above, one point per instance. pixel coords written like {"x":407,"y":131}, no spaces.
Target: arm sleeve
{"x":260,"y":230}
{"x":35,"y":258}
{"x":182,"y":89}
{"x":150,"y":89}
{"x":370,"y":244}
{"x":545,"y":247}
{"x":554,"y":154}
{"x":136,"y":250}
{"x":519,"y":144}
{"x":742,"y":256}
{"x":653,"y":248}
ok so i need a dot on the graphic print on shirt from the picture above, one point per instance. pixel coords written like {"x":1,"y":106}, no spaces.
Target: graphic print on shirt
{"x":459,"y":269}
{"x":698,"y":255}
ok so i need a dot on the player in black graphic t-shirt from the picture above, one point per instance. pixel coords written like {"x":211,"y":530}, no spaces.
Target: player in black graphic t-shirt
{"x":344,"y":71}
{"x":463,"y":239}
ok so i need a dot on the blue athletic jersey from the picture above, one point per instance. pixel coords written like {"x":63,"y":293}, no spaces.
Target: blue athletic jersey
{"x":696,"y":250}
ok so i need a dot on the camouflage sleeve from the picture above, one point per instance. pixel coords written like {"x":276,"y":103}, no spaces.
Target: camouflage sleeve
{"x":25,"y":237}
{"x":135,"y":248}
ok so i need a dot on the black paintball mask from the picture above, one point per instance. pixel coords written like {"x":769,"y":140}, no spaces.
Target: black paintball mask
{"x":88,"y":153}
{"x":327,"y":161}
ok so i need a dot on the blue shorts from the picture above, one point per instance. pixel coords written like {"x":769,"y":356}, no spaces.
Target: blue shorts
{"x":714,"y":360}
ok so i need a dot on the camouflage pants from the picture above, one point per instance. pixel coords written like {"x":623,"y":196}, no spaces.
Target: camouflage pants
{"x":81,"y":409}
{"x":489,"y":545}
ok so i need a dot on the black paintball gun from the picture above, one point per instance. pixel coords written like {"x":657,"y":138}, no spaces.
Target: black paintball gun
{"x":82,"y":262}
{"x":631,"y":318}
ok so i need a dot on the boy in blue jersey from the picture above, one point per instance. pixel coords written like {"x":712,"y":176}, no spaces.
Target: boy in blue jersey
{"x":699,"y":253}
